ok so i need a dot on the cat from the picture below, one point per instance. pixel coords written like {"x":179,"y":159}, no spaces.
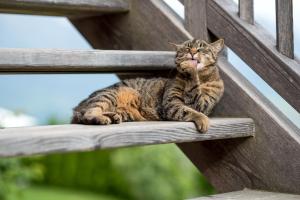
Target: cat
{"x":188,"y":96}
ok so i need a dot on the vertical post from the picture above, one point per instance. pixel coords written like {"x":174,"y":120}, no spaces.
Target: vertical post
{"x":246,"y":11}
{"x":195,"y":18}
{"x":284,"y":27}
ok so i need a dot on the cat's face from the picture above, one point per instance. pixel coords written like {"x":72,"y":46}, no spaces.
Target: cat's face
{"x":203,"y":55}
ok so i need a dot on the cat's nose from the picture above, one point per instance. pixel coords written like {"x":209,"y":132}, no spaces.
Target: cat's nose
{"x":193,"y":50}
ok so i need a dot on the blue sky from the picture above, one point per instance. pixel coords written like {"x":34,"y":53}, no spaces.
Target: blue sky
{"x":43,"y":96}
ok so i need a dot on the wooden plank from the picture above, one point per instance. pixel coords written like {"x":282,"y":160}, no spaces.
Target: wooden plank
{"x":246,"y":10}
{"x":195,"y":18}
{"x":284,"y":27}
{"x":66,"y":138}
{"x":63,"y":7}
{"x":268,"y":162}
{"x":257,"y":48}
{"x":247,"y":194}
{"x":75,"y":61}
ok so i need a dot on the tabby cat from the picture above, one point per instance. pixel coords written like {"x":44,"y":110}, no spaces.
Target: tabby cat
{"x":188,"y":96}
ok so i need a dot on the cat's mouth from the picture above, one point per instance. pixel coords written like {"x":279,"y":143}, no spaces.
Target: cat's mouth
{"x":197,"y":64}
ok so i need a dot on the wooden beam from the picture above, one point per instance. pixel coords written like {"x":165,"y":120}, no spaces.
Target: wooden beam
{"x":264,"y":163}
{"x":257,"y":48}
{"x":66,"y":138}
{"x":269,"y":161}
{"x":284,"y":27}
{"x":247,"y":194}
{"x":195,"y":18}
{"x":63,"y":7}
{"x":246,"y":10}
{"x":88,"y":61}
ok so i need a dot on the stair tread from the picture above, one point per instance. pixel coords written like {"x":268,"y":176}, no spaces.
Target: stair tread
{"x":64,"y":7}
{"x":65,"y":138}
{"x":248,"y":194}
{"x":66,"y":61}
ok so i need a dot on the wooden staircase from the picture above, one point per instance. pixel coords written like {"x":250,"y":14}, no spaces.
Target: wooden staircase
{"x":134,"y":33}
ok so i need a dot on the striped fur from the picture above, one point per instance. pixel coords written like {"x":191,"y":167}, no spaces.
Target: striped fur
{"x":188,"y":96}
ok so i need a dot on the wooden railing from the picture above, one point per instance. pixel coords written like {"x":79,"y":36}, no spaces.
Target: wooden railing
{"x":284,"y":27}
{"x":250,"y":41}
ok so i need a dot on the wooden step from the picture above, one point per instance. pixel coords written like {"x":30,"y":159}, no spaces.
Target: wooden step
{"x":247,"y":194}
{"x":63,"y":7}
{"x":71,"y":61}
{"x":66,"y":138}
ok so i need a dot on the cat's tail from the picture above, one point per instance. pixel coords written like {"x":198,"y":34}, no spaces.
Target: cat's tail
{"x":76,"y":118}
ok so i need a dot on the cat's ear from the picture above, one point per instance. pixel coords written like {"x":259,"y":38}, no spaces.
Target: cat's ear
{"x":177,"y":46}
{"x":217,"y":45}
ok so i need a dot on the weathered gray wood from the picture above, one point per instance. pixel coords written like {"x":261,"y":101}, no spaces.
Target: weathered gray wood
{"x":257,"y":48}
{"x":246,"y":11}
{"x":284,"y":27}
{"x":268,"y":162}
{"x":247,"y":194}
{"x":195,"y":18}
{"x":102,"y":35}
{"x":64,"y":7}
{"x":65,"y":138}
{"x":67,"y":61}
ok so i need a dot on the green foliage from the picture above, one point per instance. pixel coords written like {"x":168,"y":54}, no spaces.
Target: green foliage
{"x":55,"y":193}
{"x":15,"y":176}
{"x":160,"y":172}
{"x":91,"y":171}
{"x":154,"y":172}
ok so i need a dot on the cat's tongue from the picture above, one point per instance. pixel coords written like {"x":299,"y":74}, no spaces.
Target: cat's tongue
{"x":193,"y":63}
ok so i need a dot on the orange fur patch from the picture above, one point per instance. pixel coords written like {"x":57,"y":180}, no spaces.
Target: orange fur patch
{"x":128,"y":100}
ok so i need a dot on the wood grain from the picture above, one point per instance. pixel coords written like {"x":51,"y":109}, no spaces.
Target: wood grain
{"x":195,"y":18}
{"x":247,"y":194}
{"x":66,"y":138}
{"x":63,"y":7}
{"x":269,"y":161}
{"x":71,"y":61}
{"x":246,"y":10}
{"x":284,"y":27}
{"x":257,"y":48}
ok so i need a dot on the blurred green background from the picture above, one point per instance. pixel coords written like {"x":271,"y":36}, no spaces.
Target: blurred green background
{"x":149,"y":173}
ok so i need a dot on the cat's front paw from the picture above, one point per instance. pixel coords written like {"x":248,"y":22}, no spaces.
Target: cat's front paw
{"x":188,"y":66}
{"x":202,"y":123}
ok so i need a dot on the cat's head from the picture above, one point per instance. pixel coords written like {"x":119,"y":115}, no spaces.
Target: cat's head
{"x":203,"y":54}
